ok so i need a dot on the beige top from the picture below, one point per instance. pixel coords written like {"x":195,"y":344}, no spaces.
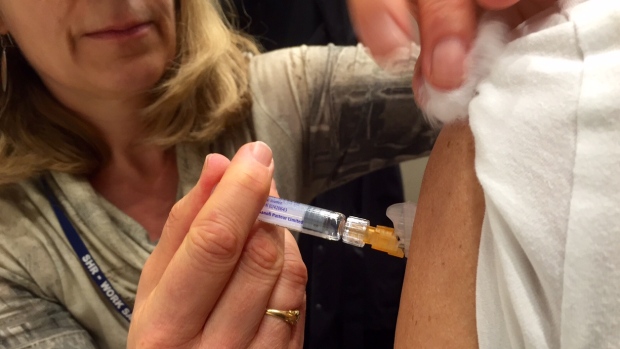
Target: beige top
{"x":328,"y":113}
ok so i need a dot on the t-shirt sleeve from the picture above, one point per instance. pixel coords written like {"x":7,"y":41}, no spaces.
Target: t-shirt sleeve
{"x":28,"y":321}
{"x":336,"y":113}
{"x":546,"y":123}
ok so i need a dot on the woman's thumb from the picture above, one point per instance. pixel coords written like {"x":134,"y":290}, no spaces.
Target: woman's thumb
{"x":447,"y":29}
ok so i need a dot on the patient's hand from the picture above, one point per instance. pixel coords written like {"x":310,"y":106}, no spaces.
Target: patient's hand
{"x":437,"y":308}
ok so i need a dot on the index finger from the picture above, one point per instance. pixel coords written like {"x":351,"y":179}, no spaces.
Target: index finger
{"x":199,"y":271}
{"x":178,"y":223}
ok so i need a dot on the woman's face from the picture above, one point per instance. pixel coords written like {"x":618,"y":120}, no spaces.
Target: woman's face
{"x":109,"y":48}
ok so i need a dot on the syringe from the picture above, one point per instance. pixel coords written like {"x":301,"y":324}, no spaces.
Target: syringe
{"x":333,"y":226}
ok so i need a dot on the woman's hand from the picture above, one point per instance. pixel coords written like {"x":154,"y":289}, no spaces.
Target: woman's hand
{"x":216,"y":270}
{"x":447,"y":29}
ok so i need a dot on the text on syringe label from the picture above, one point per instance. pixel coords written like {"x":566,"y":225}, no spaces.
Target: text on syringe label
{"x":284,"y":213}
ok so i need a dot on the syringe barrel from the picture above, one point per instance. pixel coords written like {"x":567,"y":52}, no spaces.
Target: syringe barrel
{"x":303,"y":218}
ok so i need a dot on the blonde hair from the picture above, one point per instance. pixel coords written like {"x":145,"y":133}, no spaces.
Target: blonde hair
{"x":203,"y":93}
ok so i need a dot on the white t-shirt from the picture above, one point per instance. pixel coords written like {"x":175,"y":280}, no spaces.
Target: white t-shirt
{"x":546,"y":124}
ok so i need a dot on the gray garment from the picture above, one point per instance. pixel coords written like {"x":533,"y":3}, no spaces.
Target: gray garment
{"x":328,"y":113}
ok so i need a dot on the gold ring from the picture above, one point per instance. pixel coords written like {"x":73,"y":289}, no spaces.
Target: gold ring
{"x":289,"y":316}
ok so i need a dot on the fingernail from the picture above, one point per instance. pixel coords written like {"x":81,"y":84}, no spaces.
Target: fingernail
{"x":390,"y":40}
{"x":205,"y":165}
{"x":415,"y":34}
{"x":274,"y":188}
{"x":398,"y":59}
{"x":448,"y":63}
{"x":262,"y":153}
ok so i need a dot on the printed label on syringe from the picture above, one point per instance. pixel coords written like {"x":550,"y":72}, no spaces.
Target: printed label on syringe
{"x":284,"y":213}
{"x":281,"y":217}
{"x":303,"y":218}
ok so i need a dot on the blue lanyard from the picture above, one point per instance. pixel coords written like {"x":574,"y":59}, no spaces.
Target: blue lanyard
{"x":88,"y":262}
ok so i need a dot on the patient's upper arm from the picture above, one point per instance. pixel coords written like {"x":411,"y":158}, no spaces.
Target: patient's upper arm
{"x":437,"y":307}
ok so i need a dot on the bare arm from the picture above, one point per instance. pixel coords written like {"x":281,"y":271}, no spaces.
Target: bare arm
{"x":437,"y":308}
